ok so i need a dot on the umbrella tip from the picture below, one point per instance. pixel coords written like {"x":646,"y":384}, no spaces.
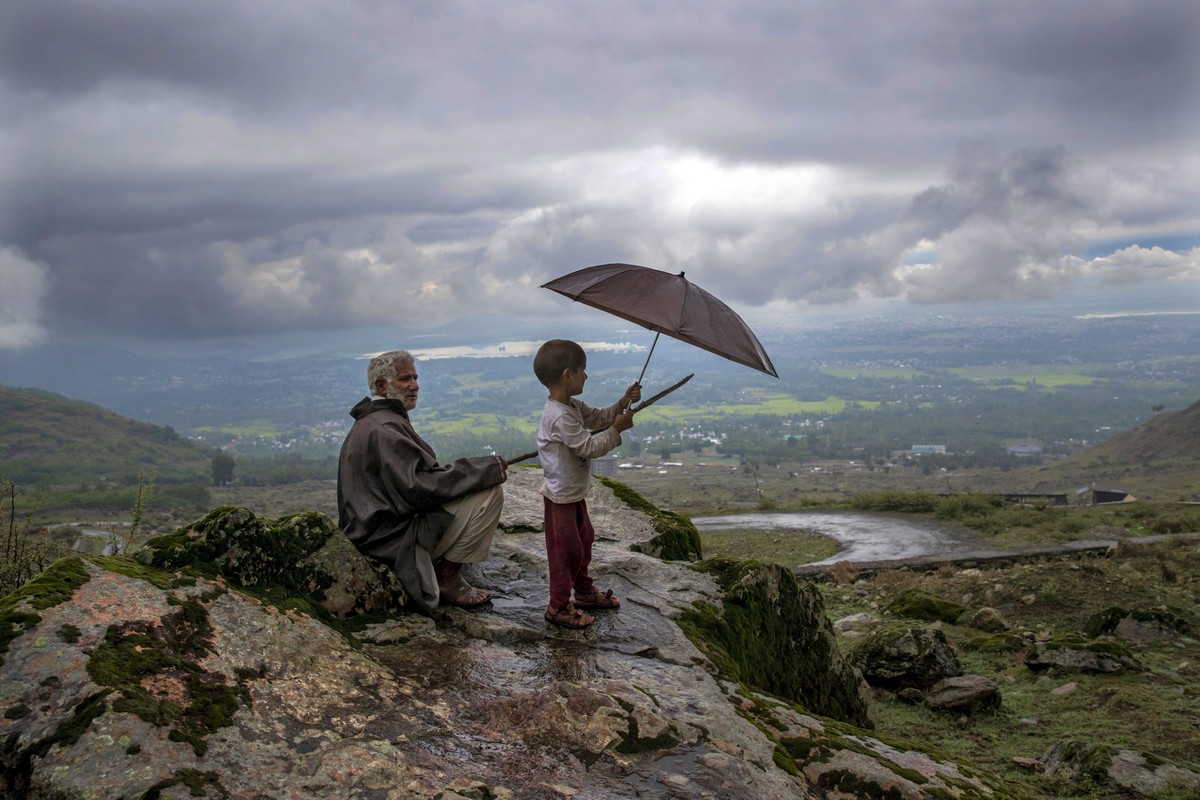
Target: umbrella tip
{"x":681,"y":273}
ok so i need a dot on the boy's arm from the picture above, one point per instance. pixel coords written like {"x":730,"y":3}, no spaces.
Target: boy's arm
{"x":595,"y":418}
{"x":573,"y":432}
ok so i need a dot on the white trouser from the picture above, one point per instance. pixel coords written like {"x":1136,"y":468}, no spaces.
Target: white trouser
{"x":468,"y":540}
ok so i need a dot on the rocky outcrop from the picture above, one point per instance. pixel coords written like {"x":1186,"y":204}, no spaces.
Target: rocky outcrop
{"x":1079,"y":767}
{"x":299,"y":556}
{"x":169,"y":678}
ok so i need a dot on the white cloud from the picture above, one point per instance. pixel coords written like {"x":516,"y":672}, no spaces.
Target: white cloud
{"x":1144,"y":264}
{"x":23,"y":287}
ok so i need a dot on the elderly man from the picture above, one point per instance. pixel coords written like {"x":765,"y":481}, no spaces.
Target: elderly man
{"x":396,"y":503}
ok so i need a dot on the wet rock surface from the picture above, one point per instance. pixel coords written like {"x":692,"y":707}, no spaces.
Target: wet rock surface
{"x":218,"y":694}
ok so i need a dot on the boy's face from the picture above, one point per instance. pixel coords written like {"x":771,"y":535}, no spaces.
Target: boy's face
{"x":575,"y":378}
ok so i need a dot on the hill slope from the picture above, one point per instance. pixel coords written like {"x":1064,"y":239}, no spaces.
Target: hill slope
{"x":1175,"y":434}
{"x":1159,"y":459}
{"x":48,"y":438}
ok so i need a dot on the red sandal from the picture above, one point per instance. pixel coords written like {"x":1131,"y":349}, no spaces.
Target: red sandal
{"x":568,"y":617}
{"x":597,"y":600}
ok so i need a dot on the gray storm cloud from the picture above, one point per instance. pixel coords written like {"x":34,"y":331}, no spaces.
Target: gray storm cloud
{"x":230,"y":166}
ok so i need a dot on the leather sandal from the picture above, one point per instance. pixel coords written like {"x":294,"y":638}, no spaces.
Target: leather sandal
{"x":457,"y":592}
{"x":597,"y":600}
{"x":568,"y":617}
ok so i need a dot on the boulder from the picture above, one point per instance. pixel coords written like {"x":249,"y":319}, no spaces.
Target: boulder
{"x":898,"y":654}
{"x":298,"y":555}
{"x":771,"y":631}
{"x":918,"y":604}
{"x":1139,"y":625}
{"x":988,"y":620}
{"x":1081,"y":767}
{"x":965,"y":694}
{"x":1072,"y":653}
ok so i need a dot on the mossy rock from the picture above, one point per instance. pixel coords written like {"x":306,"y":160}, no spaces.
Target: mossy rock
{"x":676,"y":537}
{"x":1074,"y":653}
{"x":135,"y":655}
{"x":918,"y":604}
{"x":897,"y":655}
{"x":1106,"y":621}
{"x":1079,"y":767}
{"x":300,"y":561}
{"x":56,"y":585}
{"x":771,"y":633}
{"x":233,"y":543}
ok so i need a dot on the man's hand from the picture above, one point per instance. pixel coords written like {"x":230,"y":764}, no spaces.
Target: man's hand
{"x":623,"y":422}
{"x":631,"y":396}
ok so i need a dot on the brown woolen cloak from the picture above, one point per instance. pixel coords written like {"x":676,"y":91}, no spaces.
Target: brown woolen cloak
{"x":391,"y":490}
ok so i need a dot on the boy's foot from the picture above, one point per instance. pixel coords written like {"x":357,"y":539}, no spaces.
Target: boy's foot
{"x":597,"y":600}
{"x":568,"y":617}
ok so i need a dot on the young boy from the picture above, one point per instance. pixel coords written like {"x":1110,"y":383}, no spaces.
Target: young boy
{"x":566,"y":447}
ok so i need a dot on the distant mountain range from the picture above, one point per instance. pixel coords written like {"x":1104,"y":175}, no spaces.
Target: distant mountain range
{"x":48,"y":438}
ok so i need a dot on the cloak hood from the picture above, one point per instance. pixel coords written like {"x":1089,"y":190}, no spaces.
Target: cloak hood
{"x":368,"y":406}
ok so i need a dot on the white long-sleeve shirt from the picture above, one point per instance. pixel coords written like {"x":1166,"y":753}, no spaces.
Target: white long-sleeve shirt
{"x":566,"y":446}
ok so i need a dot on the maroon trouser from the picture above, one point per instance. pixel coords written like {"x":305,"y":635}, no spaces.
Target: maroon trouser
{"x":569,"y":537}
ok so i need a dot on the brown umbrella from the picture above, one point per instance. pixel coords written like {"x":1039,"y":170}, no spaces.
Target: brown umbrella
{"x":669,"y":304}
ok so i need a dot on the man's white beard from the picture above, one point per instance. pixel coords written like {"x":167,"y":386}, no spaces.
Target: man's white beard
{"x":394,"y":393}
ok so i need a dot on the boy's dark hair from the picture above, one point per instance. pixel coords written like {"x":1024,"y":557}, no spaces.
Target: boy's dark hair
{"x":556,"y":356}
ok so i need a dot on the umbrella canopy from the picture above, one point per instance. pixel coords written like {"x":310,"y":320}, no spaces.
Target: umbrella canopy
{"x":666,"y":303}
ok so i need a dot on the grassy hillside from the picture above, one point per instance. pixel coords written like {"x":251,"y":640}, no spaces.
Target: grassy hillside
{"x":1159,"y":460}
{"x":48,"y":438}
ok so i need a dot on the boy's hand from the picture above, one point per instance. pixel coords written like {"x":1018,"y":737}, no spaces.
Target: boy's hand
{"x":623,"y":422}
{"x":632,"y":395}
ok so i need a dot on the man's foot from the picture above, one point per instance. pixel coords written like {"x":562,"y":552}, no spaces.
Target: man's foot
{"x":568,"y":617}
{"x":457,"y":592}
{"x":597,"y":600}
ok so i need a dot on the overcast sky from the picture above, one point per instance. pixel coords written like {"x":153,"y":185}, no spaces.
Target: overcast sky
{"x":226,"y":166}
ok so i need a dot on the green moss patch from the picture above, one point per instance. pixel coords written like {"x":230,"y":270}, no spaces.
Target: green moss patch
{"x":676,"y":537}
{"x":916,"y":604}
{"x":183,"y":696}
{"x":159,"y":578}
{"x":1003,"y":642}
{"x":772,"y":634}
{"x":57,"y":584}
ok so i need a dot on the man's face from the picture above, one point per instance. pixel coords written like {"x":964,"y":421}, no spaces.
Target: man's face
{"x":403,"y":386}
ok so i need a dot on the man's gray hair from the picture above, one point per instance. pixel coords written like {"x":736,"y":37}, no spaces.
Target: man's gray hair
{"x":385,"y":366}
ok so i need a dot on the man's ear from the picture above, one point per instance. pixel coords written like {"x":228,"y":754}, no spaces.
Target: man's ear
{"x":380,"y":385}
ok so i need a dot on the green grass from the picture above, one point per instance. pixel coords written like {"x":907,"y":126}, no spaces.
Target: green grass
{"x":1001,"y":377}
{"x":1152,"y":711}
{"x":786,"y":548}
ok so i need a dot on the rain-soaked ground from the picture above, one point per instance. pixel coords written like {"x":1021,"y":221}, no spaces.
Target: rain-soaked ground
{"x":499,"y":672}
